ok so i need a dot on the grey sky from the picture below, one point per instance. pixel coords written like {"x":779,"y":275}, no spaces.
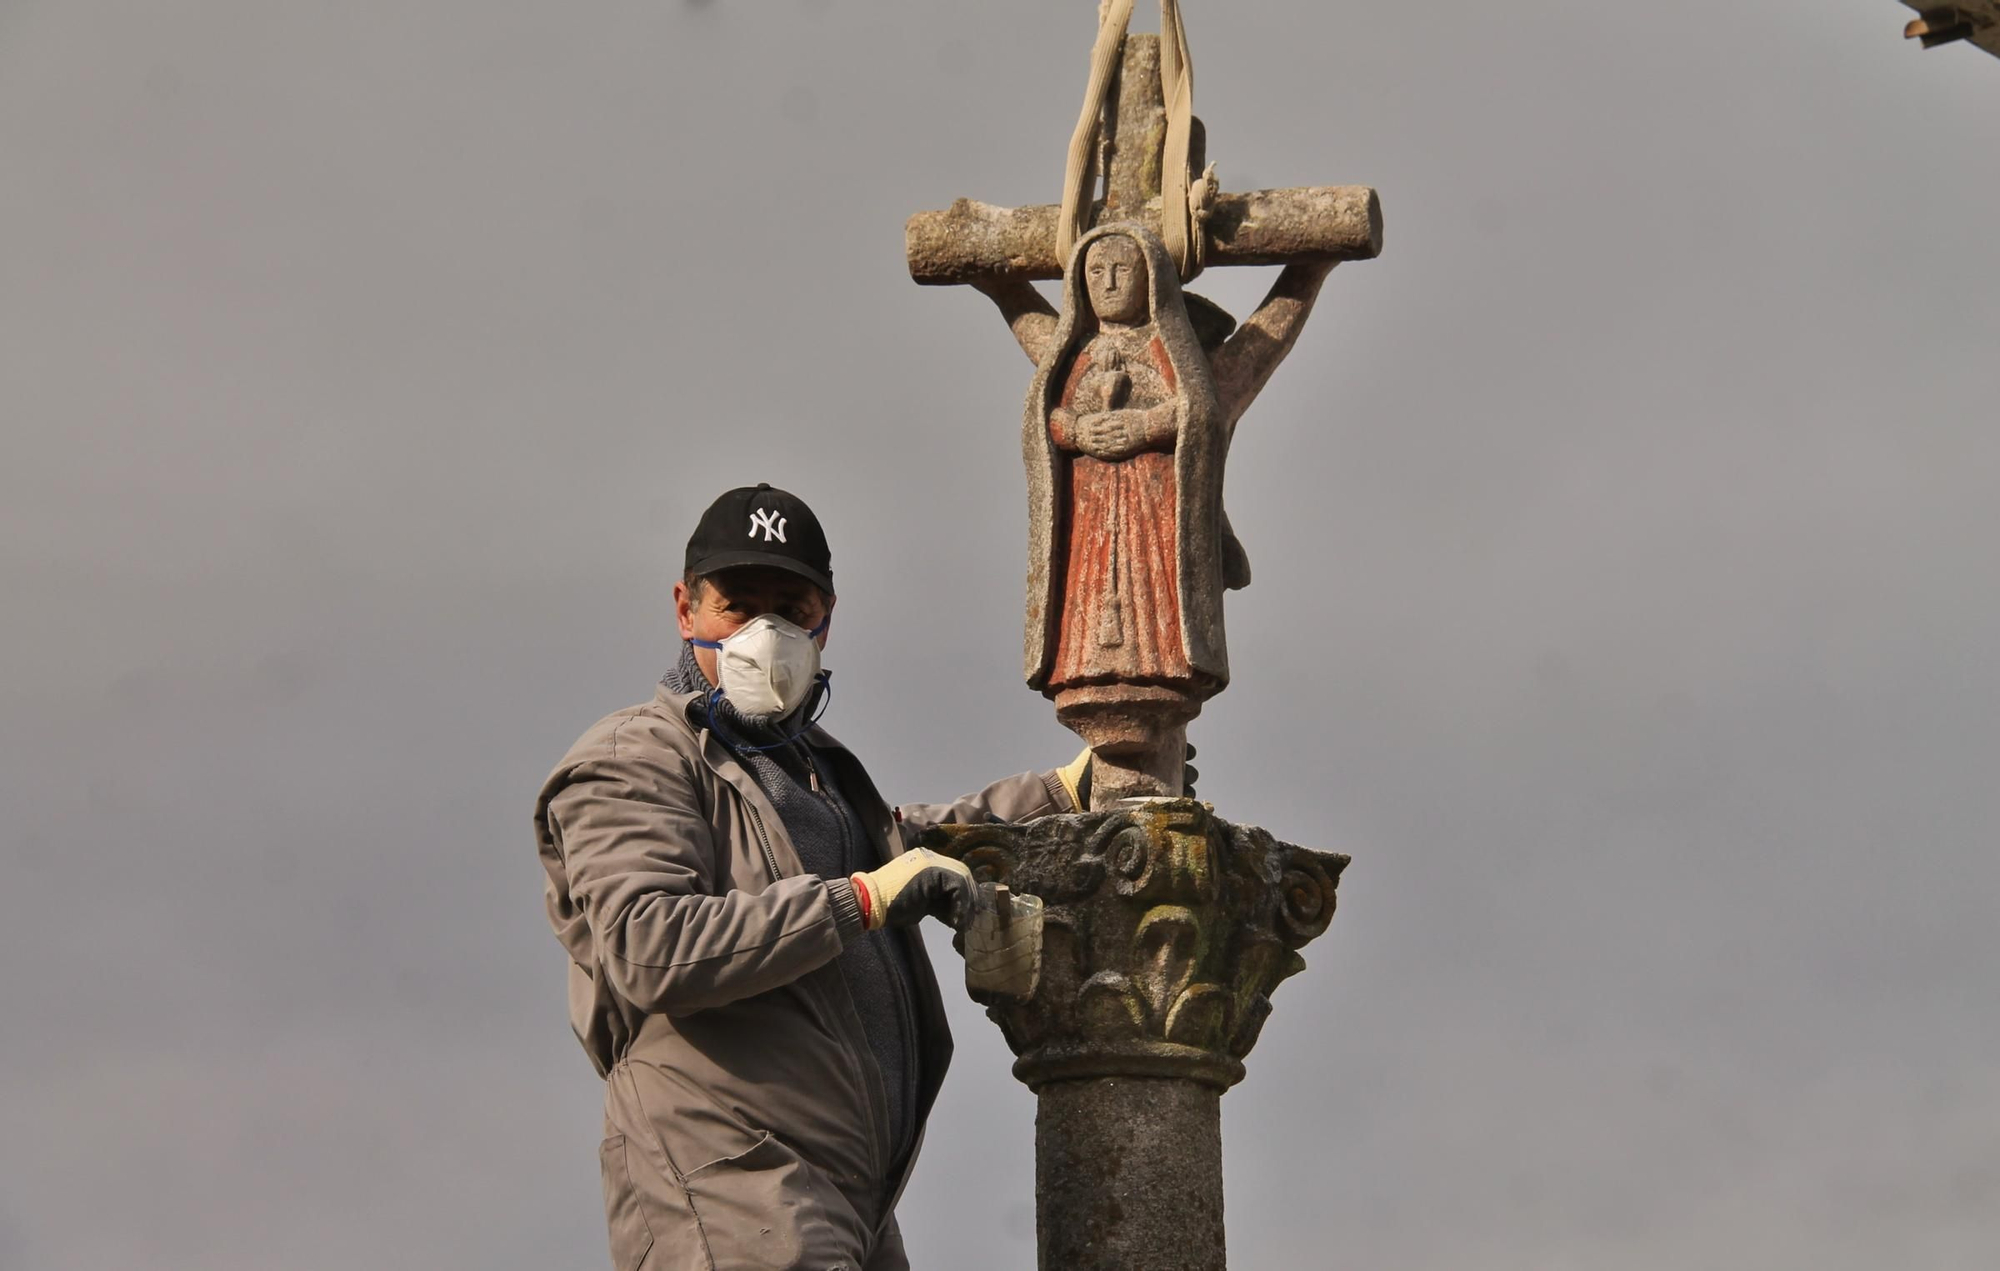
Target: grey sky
{"x":1624,"y":543}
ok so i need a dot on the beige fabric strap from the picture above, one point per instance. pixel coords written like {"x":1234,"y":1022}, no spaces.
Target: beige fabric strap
{"x":1182,"y":200}
{"x":1178,"y":227}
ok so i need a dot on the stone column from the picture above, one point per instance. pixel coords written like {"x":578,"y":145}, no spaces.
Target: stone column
{"x":1165,"y":931}
{"x":1151,"y":1150}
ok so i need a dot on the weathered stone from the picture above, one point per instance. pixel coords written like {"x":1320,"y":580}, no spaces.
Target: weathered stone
{"x":1165,"y":931}
{"x":1124,"y":440}
{"x":1165,"y":928}
{"x":1141,"y":1164}
{"x":970,"y":241}
{"x":1128,"y":426}
{"x":1135,"y":131}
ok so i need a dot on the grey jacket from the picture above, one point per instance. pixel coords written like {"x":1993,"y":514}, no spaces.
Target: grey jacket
{"x":746,"y":1121}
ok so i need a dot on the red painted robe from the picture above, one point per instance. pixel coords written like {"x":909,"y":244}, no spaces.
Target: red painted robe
{"x":1121,"y":613}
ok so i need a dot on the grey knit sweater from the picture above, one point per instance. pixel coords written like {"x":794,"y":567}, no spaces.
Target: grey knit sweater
{"x":832,"y":843}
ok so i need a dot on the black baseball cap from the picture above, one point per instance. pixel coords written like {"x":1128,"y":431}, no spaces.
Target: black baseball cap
{"x":761,"y":525}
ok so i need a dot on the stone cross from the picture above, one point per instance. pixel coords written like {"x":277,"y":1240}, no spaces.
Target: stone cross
{"x":1130,"y":549}
{"x":972,"y":243}
{"x":1164,"y":929}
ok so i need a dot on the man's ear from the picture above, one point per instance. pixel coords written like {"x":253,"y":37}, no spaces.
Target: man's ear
{"x":684,"y":609}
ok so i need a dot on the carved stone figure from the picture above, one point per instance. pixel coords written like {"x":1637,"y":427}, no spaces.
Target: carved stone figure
{"x":1126,"y":432}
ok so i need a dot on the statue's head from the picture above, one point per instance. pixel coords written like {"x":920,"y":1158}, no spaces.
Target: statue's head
{"x":1114,"y":274}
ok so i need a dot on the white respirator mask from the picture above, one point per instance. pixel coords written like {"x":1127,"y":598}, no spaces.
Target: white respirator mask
{"x":768,"y":666}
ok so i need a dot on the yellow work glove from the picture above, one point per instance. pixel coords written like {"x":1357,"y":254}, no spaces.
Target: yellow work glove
{"x":917,"y":884}
{"x":1073,"y":776}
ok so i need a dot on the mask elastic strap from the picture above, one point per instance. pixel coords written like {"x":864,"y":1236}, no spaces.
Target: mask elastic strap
{"x":822,"y":686}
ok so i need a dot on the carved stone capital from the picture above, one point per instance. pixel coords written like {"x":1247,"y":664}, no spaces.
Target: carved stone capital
{"x":1166,"y":929}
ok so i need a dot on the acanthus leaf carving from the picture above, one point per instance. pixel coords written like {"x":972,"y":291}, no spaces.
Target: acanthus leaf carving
{"x":1112,"y":1005}
{"x":1165,"y":933}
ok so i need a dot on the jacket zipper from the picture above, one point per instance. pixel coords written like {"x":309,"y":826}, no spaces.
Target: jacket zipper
{"x":763,"y":839}
{"x":881,"y":1144}
{"x":853,"y":1057}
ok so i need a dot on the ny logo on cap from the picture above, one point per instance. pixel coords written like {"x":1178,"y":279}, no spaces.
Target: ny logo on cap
{"x":770,"y":523}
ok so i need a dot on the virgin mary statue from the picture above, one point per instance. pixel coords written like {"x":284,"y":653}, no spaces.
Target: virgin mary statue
{"x":1125,"y":441}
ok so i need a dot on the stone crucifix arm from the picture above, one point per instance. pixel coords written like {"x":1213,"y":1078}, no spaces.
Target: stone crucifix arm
{"x":1244,"y":364}
{"x":1028,"y":315}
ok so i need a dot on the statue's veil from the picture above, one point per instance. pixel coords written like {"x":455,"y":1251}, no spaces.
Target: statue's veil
{"x":1200,"y":445}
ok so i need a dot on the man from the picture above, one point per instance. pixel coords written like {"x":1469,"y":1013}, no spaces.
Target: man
{"x":739,"y":907}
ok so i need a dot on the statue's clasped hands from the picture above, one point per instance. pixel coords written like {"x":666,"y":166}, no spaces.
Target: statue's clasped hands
{"x":1112,"y":435}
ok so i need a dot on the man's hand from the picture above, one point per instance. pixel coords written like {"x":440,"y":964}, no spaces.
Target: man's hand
{"x":917,"y":884}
